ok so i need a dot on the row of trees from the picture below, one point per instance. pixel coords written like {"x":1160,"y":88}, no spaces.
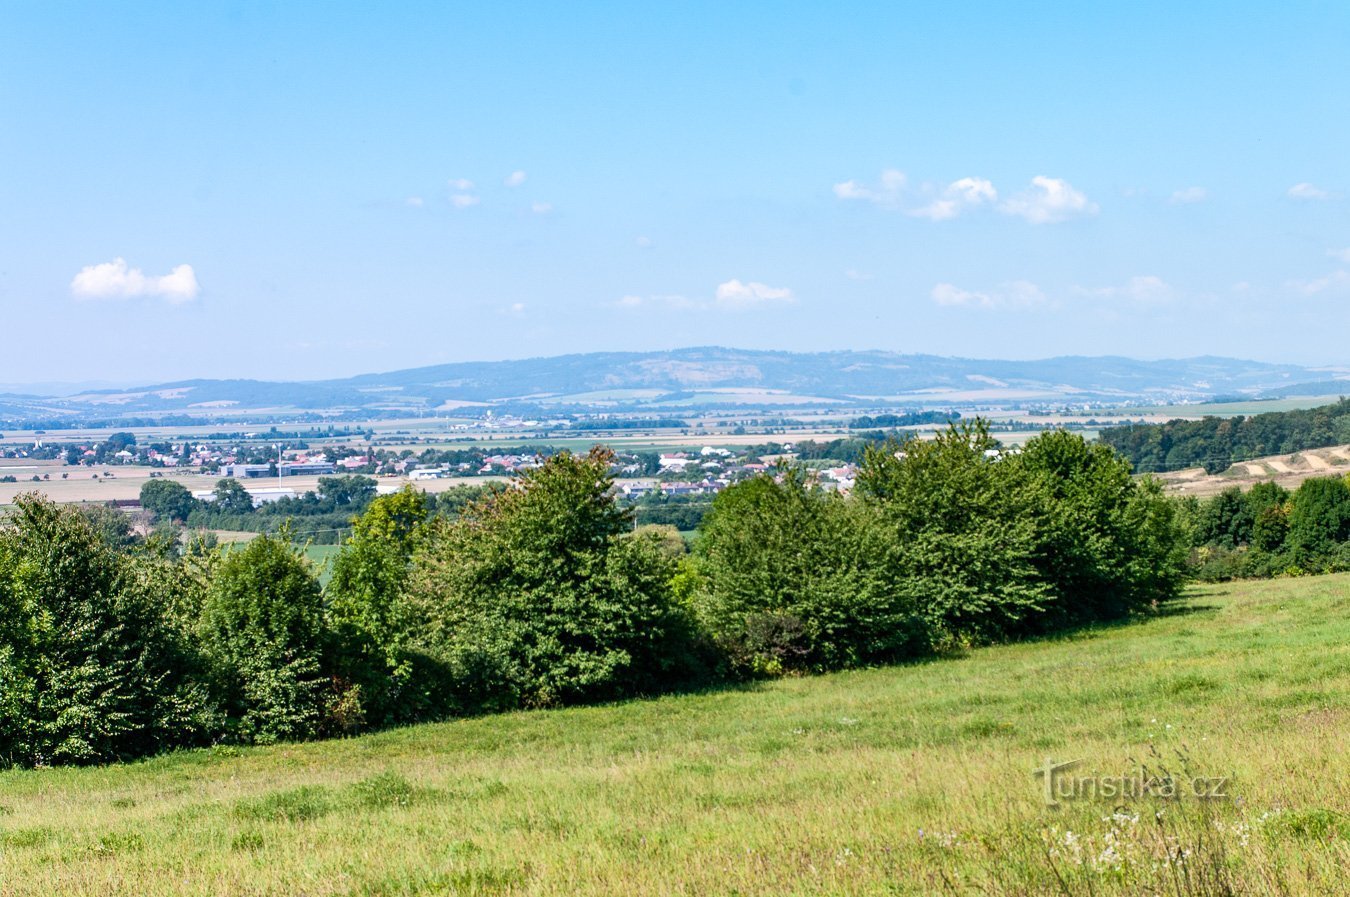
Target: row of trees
{"x":544,"y":594}
{"x":1269,"y":530}
{"x":1216,"y":443}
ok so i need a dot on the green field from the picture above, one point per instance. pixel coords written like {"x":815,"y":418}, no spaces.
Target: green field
{"x":1223,"y":409}
{"x":901,"y":780}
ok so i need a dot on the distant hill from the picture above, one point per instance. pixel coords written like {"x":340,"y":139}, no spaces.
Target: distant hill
{"x":682,"y":379}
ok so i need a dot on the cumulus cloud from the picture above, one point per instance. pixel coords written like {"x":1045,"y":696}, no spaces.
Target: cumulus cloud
{"x":957,"y":197}
{"x":1146,"y":289}
{"x":887,"y":192}
{"x":461,"y":184}
{"x":1340,"y":254}
{"x":1333,"y":282}
{"x":514,"y":179}
{"x":1307,"y":191}
{"x":463,"y":200}
{"x":735,"y":294}
{"x":414,"y":201}
{"x":116,"y":280}
{"x":1046,"y":200}
{"x":1189,"y":195}
{"x":1049,"y":200}
{"x":855,"y":274}
{"x":645,"y":242}
{"x":1015,"y":294}
{"x":541,"y":208}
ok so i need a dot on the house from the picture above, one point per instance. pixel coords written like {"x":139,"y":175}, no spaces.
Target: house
{"x":426,"y":473}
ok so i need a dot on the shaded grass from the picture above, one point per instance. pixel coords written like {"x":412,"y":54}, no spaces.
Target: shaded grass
{"x":914,"y":779}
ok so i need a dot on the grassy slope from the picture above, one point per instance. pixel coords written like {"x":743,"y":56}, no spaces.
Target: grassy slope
{"x":800,"y":786}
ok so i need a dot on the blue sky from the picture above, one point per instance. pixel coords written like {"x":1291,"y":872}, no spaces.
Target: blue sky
{"x":312,"y":190}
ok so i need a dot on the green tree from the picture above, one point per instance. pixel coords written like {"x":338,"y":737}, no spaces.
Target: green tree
{"x":167,"y":499}
{"x":348,"y":491}
{"x":262,"y":629}
{"x":964,"y":528}
{"x":1319,"y":519}
{"x":232,"y":497}
{"x":1226,"y":520}
{"x":1104,"y":543}
{"x":792,"y":577}
{"x":91,"y":669}
{"x":373,"y":621}
{"x":539,"y":595}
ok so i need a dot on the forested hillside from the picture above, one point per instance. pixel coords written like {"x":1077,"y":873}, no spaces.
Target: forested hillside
{"x":1215,"y":443}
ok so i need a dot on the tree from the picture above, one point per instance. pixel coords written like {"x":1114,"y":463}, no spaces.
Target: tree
{"x":348,"y":491}
{"x":1226,"y":519}
{"x":232,"y":497}
{"x":366,"y":603}
{"x":1103,"y":542}
{"x":1319,"y":519}
{"x":539,"y":595}
{"x":964,"y":530}
{"x":91,"y":667}
{"x":165,"y":498}
{"x":263,"y":631}
{"x":791,"y":577}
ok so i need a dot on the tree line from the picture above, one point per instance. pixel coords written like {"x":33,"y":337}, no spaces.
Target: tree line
{"x":545,"y":594}
{"x":1269,"y":530}
{"x":1216,"y":443}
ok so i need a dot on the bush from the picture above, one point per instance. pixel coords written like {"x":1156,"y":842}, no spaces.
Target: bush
{"x":539,"y":596}
{"x":262,"y":629}
{"x":793,"y":578}
{"x":92,"y":668}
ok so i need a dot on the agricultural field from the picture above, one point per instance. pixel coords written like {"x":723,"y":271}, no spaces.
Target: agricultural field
{"x":905,"y":780}
{"x":1159,"y":413}
{"x":1288,"y":470}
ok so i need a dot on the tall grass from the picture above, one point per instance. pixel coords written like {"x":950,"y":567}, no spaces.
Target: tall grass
{"x":905,"y":780}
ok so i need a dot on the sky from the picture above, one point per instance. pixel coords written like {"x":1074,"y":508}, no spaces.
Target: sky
{"x":303,"y":191}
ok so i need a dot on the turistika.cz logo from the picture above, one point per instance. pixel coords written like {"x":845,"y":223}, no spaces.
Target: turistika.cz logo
{"x":1058,"y":784}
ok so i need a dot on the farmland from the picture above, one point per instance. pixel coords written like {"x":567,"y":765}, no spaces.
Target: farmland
{"x":912,"y":779}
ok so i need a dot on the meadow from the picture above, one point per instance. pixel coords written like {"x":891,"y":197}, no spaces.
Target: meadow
{"x":911,"y":779}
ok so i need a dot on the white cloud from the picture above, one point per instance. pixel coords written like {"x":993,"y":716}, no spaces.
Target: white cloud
{"x":541,"y":208}
{"x":1189,"y":195}
{"x":414,"y":201}
{"x":666,"y":301}
{"x":734,"y":294}
{"x":461,"y":184}
{"x":514,"y":179}
{"x":1049,"y":200}
{"x":1340,"y":254}
{"x":956,"y":198}
{"x":645,"y":242}
{"x":463,"y":200}
{"x":1146,"y":289}
{"x":887,"y":192}
{"x":517,"y":310}
{"x":1335,"y":281}
{"x":115,"y":280}
{"x":854,"y":274}
{"x":1015,"y":294}
{"x":1307,"y":191}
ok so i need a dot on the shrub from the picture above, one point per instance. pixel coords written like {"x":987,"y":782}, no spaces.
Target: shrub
{"x":91,"y":667}
{"x":539,"y":596}
{"x":793,"y":578}
{"x":262,"y":630}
